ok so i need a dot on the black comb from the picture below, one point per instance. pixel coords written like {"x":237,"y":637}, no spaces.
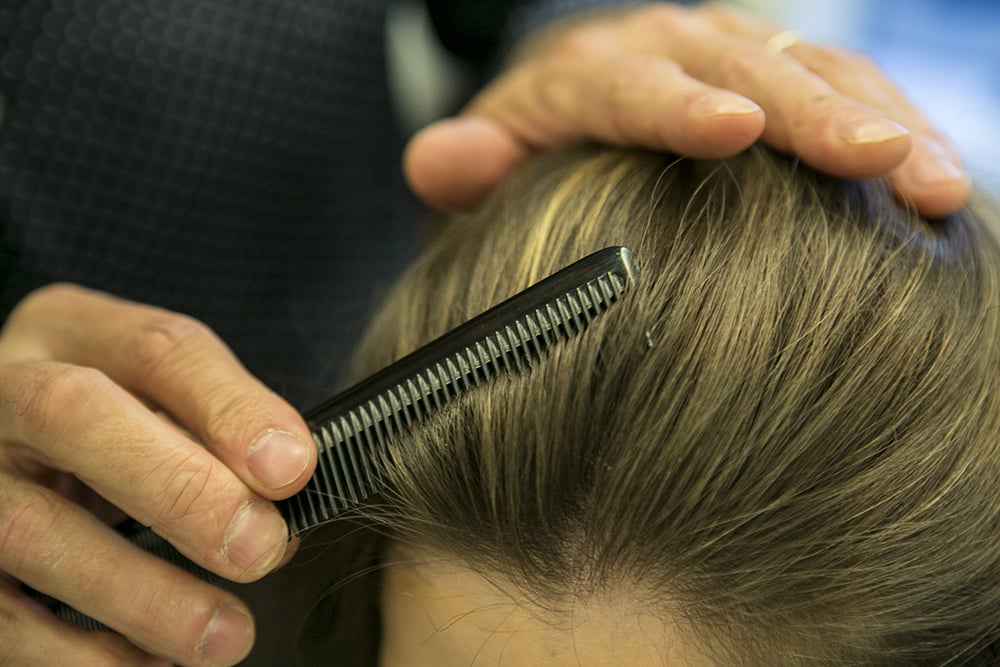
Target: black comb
{"x":355,"y":429}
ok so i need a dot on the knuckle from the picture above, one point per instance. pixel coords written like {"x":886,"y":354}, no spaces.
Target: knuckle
{"x":181,"y":493}
{"x":152,"y":606}
{"x":38,"y":300}
{"x":665,"y":17}
{"x":634,"y":75}
{"x":821,"y":61}
{"x":581,"y":42}
{"x":54,"y":392}
{"x":738,"y":65}
{"x":809,"y":110}
{"x":27,"y":515}
{"x":54,"y":292}
{"x":830,"y":62}
{"x":234,"y":414}
{"x":149,"y":608}
{"x":554,"y":93}
{"x":165,"y":339}
{"x":635,"y":71}
{"x":187,"y":611}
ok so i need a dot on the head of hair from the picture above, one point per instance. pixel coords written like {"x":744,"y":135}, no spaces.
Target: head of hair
{"x":787,"y":433}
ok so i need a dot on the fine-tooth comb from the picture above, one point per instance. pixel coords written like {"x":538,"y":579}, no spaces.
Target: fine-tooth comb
{"x":355,"y":429}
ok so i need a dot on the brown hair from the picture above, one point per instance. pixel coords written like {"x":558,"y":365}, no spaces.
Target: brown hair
{"x":789,"y":432}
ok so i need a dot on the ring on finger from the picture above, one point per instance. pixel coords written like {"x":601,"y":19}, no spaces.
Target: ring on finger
{"x":781,"y":41}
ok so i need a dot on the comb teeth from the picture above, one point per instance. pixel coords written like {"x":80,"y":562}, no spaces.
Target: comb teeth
{"x":353,"y":430}
{"x":508,"y":338}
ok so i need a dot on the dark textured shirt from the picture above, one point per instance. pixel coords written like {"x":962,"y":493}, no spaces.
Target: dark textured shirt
{"x":229,"y":159}
{"x":236,"y":160}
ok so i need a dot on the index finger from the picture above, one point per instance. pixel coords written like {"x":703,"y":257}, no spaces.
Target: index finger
{"x":75,"y":419}
{"x":180,"y":365}
{"x":931,"y":176}
{"x":805,"y":114}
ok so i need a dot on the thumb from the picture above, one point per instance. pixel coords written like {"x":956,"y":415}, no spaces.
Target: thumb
{"x":455,"y":163}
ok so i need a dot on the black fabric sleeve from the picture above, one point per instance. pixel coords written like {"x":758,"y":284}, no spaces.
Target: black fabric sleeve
{"x":473,"y":31}
{"x":482,"y":33}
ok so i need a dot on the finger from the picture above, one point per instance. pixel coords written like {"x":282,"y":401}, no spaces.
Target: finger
{"x":931,"y":180}
{"x":453,"y":164}
{"x":554,"y":102}
{"x":932,"y":176}
{"x":737,"y":22}
{"x":77,"y":419}
{"x":636,"y":100}
{"x":180,"y":365}
{"x":58,"y":549}
{"x":72,"y":489}
{"x":805,"y":114}
{"x":31,"y":636}
{"x":645,"y":101}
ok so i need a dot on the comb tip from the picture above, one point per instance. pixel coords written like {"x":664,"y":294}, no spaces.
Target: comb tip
{"x":628,"y":264}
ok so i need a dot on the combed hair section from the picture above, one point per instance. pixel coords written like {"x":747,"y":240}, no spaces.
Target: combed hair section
{"x":788,"y":432}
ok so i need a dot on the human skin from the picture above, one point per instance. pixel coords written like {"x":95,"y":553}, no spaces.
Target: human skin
{"x":85,"y":377}
{"x":701,"y":82}
{"x":439,"y":612}
{"x":80,"y":372}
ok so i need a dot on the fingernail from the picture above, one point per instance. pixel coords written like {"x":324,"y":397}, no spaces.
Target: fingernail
{"x":277,"y":459}
{"x":870,"y":130}
{"x":724,"y":104}
{"x":228,"y":637}
{"x":256,"y":538}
